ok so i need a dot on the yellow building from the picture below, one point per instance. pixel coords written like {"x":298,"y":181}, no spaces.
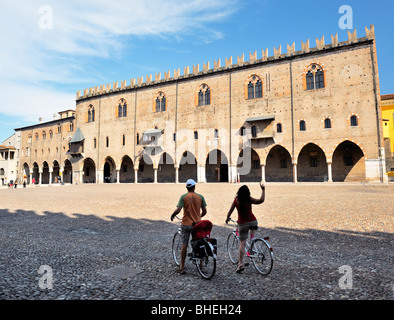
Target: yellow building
{"x":388,"y":131}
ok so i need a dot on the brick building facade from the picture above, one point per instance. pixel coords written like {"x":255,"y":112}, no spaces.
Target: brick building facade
{"x":308,"y":115}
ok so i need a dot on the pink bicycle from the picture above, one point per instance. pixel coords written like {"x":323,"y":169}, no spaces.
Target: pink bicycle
{"x":258,"y":250}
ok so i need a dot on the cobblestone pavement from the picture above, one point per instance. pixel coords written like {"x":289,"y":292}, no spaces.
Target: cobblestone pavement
{"x":82,"y":231}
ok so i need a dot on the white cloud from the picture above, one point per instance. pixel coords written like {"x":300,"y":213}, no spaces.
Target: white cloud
{"x":34,"y":61}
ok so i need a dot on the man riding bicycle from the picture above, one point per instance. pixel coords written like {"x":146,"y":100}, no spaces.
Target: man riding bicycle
{"x":194,"y":208}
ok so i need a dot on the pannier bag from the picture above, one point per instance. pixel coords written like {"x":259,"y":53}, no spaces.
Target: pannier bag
{"x":201,"y":247}
{"x":201,"y":230}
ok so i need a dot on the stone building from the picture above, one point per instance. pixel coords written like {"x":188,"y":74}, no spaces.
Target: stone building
{"x":9,"y":159}
{"x":44,"y":150}
{"x":308,"y":115}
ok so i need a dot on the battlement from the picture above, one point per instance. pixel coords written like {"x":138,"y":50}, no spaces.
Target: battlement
{"x":217,"y":66}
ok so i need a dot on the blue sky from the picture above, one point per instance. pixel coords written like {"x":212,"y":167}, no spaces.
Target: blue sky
{"x":50,"y":49}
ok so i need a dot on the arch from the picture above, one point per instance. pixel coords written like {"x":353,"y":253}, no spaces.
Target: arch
{"x":68,"y":172}
{"x":166,"y":169}
{"x":121,"y":108}
{"x":45,"y":173}
{"x":126,"y":174}
{"x":26,"y":173}
{"x":145,"y":169}
{"x":55,"y":172}
{"x":248,"y":165}
{"x":89,"y":171}
{"x":348,"y":162}
{"x":278,"y":165}
{"x":36,"y":174}
{"x":216,"y":166}
{"x":187,"y":167}
{"x":312,"y":164}
{"x":109,"y":170}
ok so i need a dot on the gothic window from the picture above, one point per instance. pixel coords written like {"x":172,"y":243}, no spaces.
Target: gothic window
{"x":161,"y":103}
{"x":121,"y":110}
{"x":44,"y":135}
{"x":314,"y":77}
{"x":91,"y":114}
{"x":50,"y":134}
{"x":204,"y":95}
{"x":254,"y":87}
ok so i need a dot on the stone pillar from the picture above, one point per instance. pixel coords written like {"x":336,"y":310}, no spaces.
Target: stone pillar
{"x":176,"y":175}
{"x":295,"y":172}
{"x":263,"y":173}
{"x":329,"y":167}
{"x":135,"y":175}
{"x":50,"y":177}
{"x":40,"y":178}
{"x":117,"y":176}
{"x":155,"y":175}
{"x":201,"y":178}
{"x":232,"y":174}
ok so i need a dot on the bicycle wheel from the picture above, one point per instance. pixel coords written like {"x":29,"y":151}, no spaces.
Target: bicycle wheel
{"x":176,"y":248}
{"x":206,"y":266}
{"x":233,"y":248}
{"x":261,"y":256}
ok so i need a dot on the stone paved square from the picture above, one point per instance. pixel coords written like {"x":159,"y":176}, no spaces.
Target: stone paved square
{"x":81,"y":231}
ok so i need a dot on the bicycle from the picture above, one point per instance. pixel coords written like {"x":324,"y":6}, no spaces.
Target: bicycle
{"x":258,"y":250}
{"x":204,"y":257}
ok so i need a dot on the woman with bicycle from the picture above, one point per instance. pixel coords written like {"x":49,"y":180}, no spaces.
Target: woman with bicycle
{"x":246,"y":219}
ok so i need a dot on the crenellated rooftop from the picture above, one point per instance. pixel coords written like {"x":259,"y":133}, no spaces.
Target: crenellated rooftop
{"x":217,"y":66}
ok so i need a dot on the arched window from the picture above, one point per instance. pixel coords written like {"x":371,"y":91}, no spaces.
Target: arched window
{"x":71,"y":126}
{"x":254,"y":87}
{"x":327,"y":123}
{"x":302,"y":125}
{"x":242,"y":131}
{"x":353,"y":121}
{"x":50,"y":134}
{"x":204,"y":95}
{"x":161,"y":103}
{"x":91,"y":114}
{"x":314,"y":77}
{"x":44,"y":135}
{"x":121,"y":110}
{"x":278,"y":127}
{"x":36,"y":135}
{"x":195,"y":135}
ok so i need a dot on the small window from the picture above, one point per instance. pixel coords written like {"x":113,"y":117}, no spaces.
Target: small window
{"x":174,"y":136}
{"x":313,"y":162}
{"x":216,"y":134}
{"x":353,"y":121}
{"x":107,"y":142}
{"x":91,"y":114}
{"x":310,"y":84}
{"x":279,"y":127}
{"x":138,"y":138}
{"x":254,"y":131}
{"x":327,"y":123}
{"x":196,"y":135}
{"x":242,"y":131}
{"x":94,"y":143}
{"x":302,"y":125}
{"x":123,"y":139}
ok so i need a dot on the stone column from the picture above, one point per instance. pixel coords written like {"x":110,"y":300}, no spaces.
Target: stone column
{"x":117,"y":176}
{"x":263,"y":173}
{"x":295,"y":172}
{"x":155,"y":175}
{"x":135,"y":175}
{"x":232,"y":174}
{"x":329,"y":167}
{"x":176,"y":175}
{"x":50,"y":176}
{"x":201,"y":174}
{"x":40,"y":178}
